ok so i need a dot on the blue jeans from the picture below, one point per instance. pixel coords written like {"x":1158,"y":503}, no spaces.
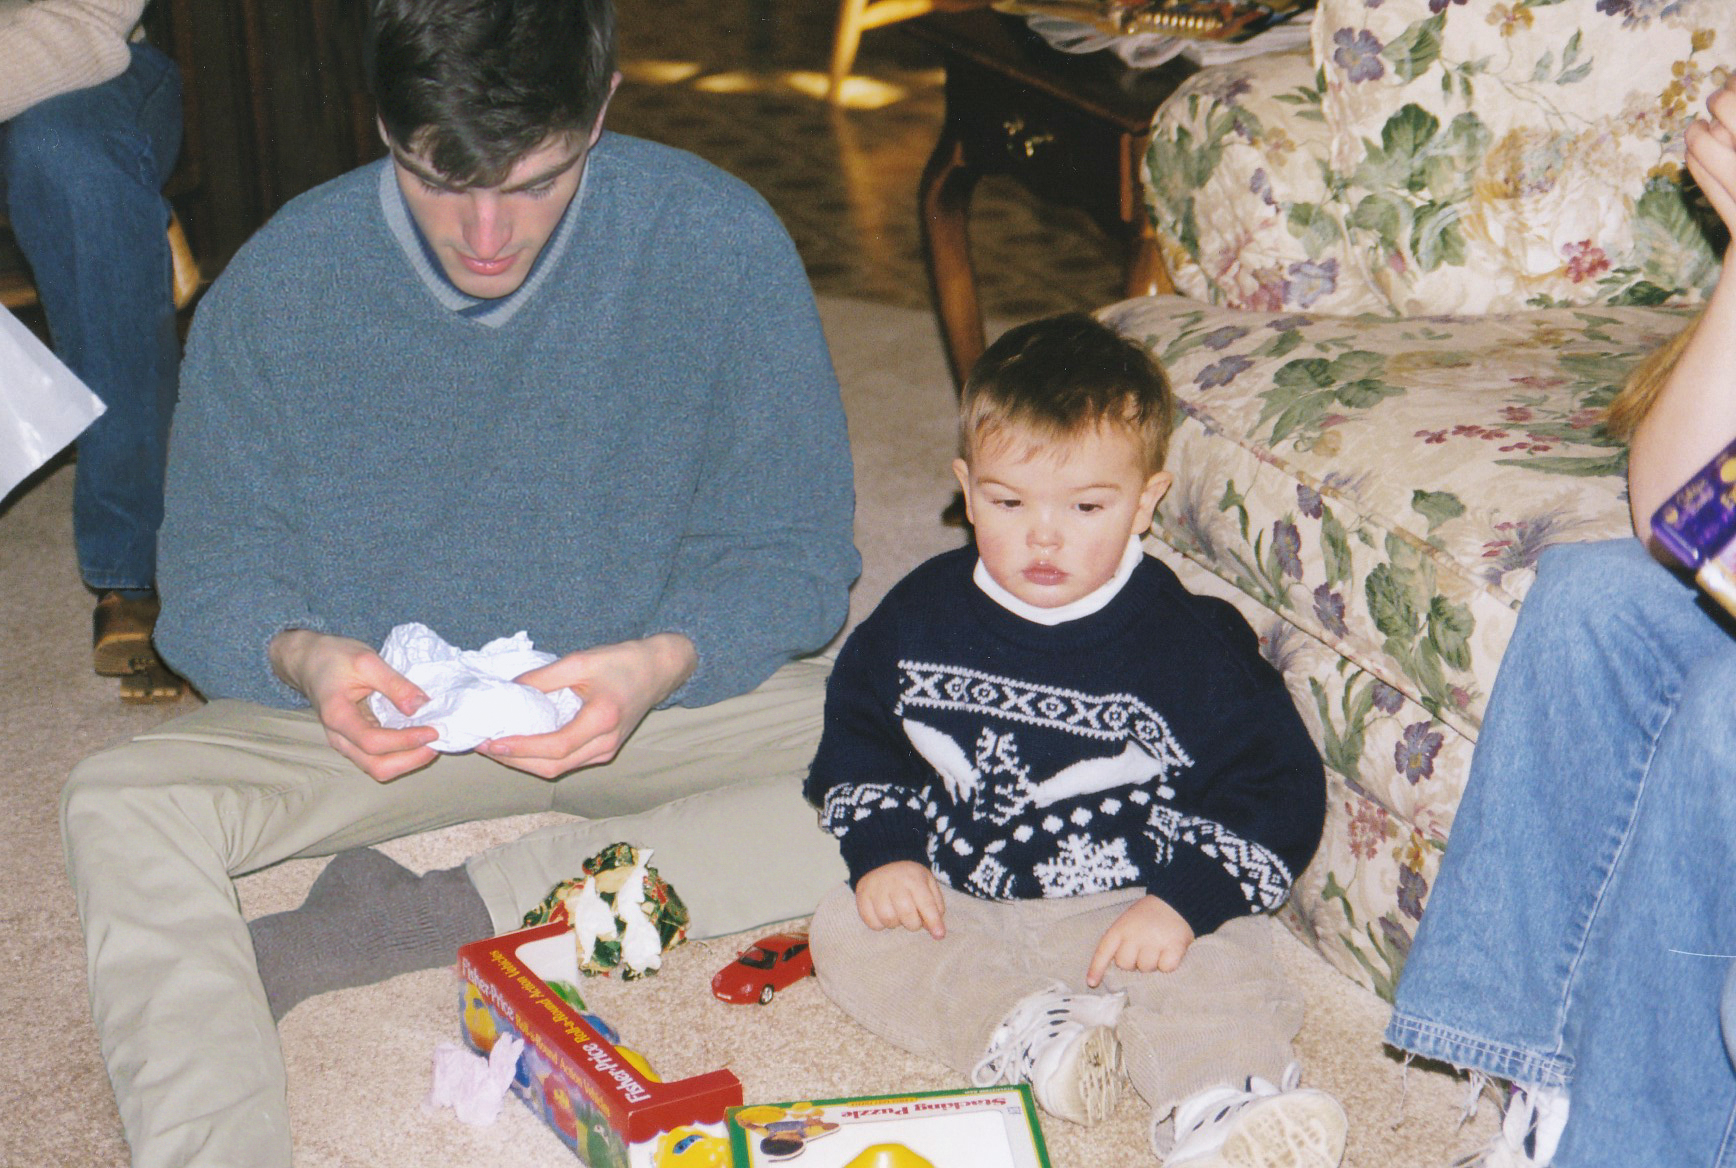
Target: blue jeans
{"x":1727,"y":1010}
{"x":1582,"y":926}
{"x":82,"y":177}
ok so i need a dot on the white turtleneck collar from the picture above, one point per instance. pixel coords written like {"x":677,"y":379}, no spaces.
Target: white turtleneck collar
{"x":1093,"y":601}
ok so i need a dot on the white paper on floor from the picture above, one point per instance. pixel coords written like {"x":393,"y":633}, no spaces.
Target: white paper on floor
{"x":472,"y":1086}
{"x":472,"y":696}
{"x":43,"y":405}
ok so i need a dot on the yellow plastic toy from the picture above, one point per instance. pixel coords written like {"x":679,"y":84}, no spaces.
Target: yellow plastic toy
{"x":638,"y":1062}
{"x":889,"y":1156}
{"x":478,"y":1022}
{"x":758,"y":1115}
{"x":688,"y":1147}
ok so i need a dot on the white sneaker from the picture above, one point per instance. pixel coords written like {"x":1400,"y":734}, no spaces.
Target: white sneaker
{"x":1265,"y":1126}
{"x":1530,"y":1130}
{"x":1063,"y":1044}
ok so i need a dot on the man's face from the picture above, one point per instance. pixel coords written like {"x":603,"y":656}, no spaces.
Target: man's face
{"x":488,"y":238}
{"x":1052,"y":518}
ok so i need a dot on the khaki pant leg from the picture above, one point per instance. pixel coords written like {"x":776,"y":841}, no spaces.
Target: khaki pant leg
{"x":154,"y":831}
{"x":715,"y":792}
{"x":942,"y":999}
{"x":1226,"y":1013}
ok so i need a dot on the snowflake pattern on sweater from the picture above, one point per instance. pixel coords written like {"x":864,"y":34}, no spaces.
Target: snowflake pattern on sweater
{"x":1026,"y":780}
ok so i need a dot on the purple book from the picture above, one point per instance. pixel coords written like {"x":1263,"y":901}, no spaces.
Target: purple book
{"x":1697,"y":525}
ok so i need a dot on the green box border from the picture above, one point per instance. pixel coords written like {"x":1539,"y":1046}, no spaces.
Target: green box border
{"x":739,"y":1151}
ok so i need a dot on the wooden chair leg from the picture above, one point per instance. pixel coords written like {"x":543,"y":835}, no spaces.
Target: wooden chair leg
{"x":845,"y":42}
{"x":186,"y":268}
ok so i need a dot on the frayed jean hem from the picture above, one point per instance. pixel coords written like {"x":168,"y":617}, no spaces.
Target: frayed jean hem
{"x":1470,"y":1052}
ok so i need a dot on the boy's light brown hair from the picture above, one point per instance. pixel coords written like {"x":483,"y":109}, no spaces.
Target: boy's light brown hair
{"x":1064,"y":377}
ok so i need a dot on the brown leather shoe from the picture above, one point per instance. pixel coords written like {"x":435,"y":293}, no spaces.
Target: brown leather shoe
{"x":152,"y":685}
{"x":121,"y":634}
{"x":121,"y":647}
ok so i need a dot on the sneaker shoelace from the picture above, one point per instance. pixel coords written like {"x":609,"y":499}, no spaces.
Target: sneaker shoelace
{"x":1036,"y":1021}
{"x":1531,"y":1128}
{"x":1203,"y":1120}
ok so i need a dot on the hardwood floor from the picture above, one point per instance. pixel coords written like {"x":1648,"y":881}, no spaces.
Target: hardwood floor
{"x":741,"y":83}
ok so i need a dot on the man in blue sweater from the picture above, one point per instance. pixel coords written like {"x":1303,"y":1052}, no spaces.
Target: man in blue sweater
{"x":521,"y":375}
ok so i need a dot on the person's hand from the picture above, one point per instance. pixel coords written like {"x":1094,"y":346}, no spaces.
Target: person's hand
{"x":336,"y":675}
{"x":1149,"y":937}
{"x":617,"y":684}
{"x":902,"y":893}
{"x":1711,"y":149}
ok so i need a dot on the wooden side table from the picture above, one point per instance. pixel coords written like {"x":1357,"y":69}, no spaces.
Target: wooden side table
{"x":1071,"y":128}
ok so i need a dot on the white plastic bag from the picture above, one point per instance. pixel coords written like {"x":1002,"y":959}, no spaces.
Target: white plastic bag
{"x":43,"y":406}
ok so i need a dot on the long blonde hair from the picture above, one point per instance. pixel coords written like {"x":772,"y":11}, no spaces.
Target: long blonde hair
{"x":1641,"y":390}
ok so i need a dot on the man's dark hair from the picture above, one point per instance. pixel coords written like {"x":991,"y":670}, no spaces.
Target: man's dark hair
{"x":1061,"y":378}
{"x":472,"y":86}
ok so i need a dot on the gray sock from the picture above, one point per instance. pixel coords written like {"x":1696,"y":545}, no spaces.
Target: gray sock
{"x":366,"y":918}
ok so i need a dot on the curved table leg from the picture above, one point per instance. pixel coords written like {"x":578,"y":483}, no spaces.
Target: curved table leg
{"x":944,"y":210}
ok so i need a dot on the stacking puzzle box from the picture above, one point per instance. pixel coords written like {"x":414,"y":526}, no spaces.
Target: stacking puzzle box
{"x":601,"y":1102}
{"x":983,"y":1127}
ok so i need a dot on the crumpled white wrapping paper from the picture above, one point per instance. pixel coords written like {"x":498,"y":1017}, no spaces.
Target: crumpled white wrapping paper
{"x":472,"y":696}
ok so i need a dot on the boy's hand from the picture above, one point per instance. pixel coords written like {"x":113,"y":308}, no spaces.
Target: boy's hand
{"x":1150,"y":936}
{"x":901,"y":893}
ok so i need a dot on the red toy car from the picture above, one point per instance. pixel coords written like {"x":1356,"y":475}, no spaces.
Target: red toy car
{"x":770,"y":964}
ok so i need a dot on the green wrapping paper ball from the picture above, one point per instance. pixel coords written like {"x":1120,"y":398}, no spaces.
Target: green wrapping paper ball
{"x":611,"y":867}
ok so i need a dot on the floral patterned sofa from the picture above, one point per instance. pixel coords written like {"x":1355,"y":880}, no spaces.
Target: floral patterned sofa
{"x":1414,"y":262}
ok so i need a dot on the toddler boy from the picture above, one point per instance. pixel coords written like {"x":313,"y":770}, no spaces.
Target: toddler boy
{"x":1063,"y":784}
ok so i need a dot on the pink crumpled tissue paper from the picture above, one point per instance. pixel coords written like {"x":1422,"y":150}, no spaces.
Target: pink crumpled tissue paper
{"x":472,"y":1086}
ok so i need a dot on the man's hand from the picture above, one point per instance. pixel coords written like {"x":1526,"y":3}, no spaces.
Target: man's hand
{"x":1149,"y":937}
{"x":336,"y":675}
{"x":901,"y":893}
{"x":618,"y":684}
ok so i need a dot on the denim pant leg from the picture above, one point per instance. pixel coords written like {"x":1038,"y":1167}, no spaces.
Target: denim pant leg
{"x":1587,"y":847}
{"x":83,"y":175}
{"x":1727,"y":1014}
{"x":1642,"y":1026}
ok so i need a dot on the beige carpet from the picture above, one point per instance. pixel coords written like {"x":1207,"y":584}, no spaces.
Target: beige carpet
{"x":359,"y":1060}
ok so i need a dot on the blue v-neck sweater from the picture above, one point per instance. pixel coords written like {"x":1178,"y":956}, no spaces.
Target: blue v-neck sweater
{"x":646,"y":438}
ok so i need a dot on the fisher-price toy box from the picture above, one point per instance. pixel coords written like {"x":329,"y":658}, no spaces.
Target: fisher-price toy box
{"x":571,"y":1072}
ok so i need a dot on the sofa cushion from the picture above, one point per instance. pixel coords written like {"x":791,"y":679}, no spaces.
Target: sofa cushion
{"x":1233,"y":164}
{"x":1426,"y":156}
{"x":1387,"y":485}
{"x":1489,"y":158}
{"x":1373,"y":494}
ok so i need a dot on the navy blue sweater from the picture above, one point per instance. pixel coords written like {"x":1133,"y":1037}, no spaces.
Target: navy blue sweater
{"x":1148,"y":744}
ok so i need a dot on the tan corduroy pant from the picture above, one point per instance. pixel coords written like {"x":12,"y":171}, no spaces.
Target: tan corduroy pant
{"x":1226,"y":1013}
{"x":156,"y":829}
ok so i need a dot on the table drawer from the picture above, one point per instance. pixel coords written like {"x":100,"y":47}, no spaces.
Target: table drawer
{"x":1059,"y":151}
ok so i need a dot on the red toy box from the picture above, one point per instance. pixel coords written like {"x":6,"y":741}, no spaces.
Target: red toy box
{"x":571,"y":1073}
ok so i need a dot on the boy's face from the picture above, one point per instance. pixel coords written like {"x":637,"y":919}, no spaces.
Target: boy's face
{"x":1052,"y":518}
{"x":488,"y":238}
